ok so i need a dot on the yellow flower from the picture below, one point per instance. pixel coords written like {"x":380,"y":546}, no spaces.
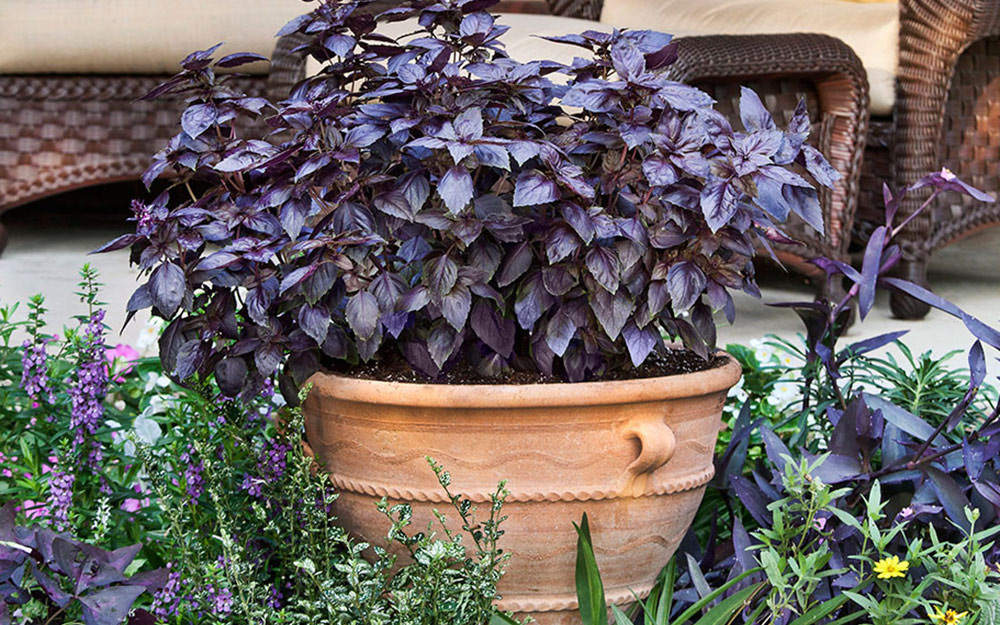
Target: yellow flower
{"x":948,"y":617}
{"x":891,"y":567}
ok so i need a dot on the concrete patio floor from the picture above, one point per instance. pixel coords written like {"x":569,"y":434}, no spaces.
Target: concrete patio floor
{"x":49,"y":242}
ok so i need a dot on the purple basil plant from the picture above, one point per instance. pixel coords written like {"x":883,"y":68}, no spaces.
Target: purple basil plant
{"x":432,"y":199}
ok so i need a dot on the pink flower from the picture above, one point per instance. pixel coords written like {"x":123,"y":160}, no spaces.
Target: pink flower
{"x":134,"y":505}
{"x":34,"y":510}
{"x":120,"y":358}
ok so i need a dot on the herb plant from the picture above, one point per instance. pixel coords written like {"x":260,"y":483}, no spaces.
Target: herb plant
{"x":435,"y":200}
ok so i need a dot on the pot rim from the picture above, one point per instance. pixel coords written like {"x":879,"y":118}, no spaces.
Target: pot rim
{"x":425,"y":395}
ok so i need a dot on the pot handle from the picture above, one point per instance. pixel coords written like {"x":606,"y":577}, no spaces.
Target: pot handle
{"x":656,"y":444}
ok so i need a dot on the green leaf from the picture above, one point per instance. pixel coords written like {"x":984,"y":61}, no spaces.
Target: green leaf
{"x":729,"y":606}
{"x":694,"y":609}
{"x":501,"y":619}
{"x":589,"y":588}
{"x":820,"y":611}
{"x":666,"y":598}
{"x":850,"y":618}
{"x":620,"y":618}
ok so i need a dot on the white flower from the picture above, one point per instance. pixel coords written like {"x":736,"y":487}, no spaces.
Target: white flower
{"x":783,"y":393}
{"x":146,"y":430}
{"x":120,"y":405}
{"x":149,"y":335}
{"x":787,"y":360}
{"x":738,"y":393}
{"x":154,"y":380}
{"x":761,"y":350}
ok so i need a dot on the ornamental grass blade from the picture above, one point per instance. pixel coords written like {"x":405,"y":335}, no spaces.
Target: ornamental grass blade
{"x":724,"y":611}
{"x":821,"y":611}
{"x":589,"y":588}
{"x":688,"y":614}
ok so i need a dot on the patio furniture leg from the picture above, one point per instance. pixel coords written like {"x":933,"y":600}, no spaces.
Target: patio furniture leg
{"x":903,"y":306}
{"x":3,"y":238}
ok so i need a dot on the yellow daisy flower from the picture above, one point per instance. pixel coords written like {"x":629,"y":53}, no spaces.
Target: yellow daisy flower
{"x":891,"y":567}
{"x":948,"y":617}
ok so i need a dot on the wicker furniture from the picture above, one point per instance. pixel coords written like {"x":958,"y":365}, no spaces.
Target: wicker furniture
{"x":61,"y":132}
{"x":947,"y":115}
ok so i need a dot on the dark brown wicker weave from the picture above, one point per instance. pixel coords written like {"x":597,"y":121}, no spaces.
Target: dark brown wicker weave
{"x":60,"y":132}
{"x":947,"y":114}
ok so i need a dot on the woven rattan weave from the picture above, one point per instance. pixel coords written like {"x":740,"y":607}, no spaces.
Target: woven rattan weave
{"x":60,"y":132}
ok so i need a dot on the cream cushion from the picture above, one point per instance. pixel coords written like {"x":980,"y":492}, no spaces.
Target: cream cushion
{"x":871,"y":29}
{"x":133,"y":36}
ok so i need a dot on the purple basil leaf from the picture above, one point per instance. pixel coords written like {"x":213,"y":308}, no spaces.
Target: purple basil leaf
{"x":239,"y":58}
{"x":116,"y":244}
{"x":640,"y":343}
{"x":533,"y":188}
{"x":197,"y":118}
{"x":166,"y":288}
{"x":339,"y":44}
{"x":612,"y":311}
{"x":686,"y":282}
{"x":362,"y":314}
{"x":230,"y":375}
{"x":777,"y":452}
{"x":441,"y":343}
{"x":602,"y":263}
{"x":752,"y":112}
{"x":455,"y":188}
{"x":659,"y":172}
{"x":394,"y":203}
{"x":440,"y":275}
{"x":531,"y":302}
{"x":455,"y":306}
{"x":805,"y":203}
{"x":719,"y":202}
{"x":515,"y":264}
{"x":491,"y":328}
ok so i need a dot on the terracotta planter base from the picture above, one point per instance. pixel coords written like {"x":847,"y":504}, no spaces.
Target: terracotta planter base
{"x":634,"y":455}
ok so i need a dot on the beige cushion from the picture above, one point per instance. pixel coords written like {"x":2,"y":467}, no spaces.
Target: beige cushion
{"x":133,"y":36}
{"x":871,"y":29}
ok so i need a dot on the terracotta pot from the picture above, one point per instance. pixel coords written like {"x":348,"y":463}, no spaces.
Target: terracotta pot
{"x":634,"y":455}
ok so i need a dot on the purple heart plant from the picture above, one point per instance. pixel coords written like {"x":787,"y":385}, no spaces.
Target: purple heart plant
{"x":432,"y":199}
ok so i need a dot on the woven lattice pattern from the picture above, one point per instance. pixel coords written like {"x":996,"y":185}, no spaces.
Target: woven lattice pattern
{"x":63,"y":132}
{"x":970,"y":142}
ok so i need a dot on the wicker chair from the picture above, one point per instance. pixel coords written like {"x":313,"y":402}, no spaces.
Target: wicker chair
{"x":947,"y":114}
{"x":784,"y":69}
{"x":62,"y":132}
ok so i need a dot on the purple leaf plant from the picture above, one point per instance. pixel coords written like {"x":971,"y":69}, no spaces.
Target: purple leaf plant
{"x":432,"y":199}
{"x":67,"y":574}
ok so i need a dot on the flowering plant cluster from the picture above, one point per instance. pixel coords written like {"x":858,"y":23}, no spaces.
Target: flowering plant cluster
{"x":440,"y":202}
{"x":217,"y":493}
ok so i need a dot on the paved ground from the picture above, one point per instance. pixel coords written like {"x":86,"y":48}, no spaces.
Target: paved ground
{"x":49,"y":242}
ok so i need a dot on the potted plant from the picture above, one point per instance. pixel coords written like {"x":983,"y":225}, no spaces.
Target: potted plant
{"x":474,"y":261}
